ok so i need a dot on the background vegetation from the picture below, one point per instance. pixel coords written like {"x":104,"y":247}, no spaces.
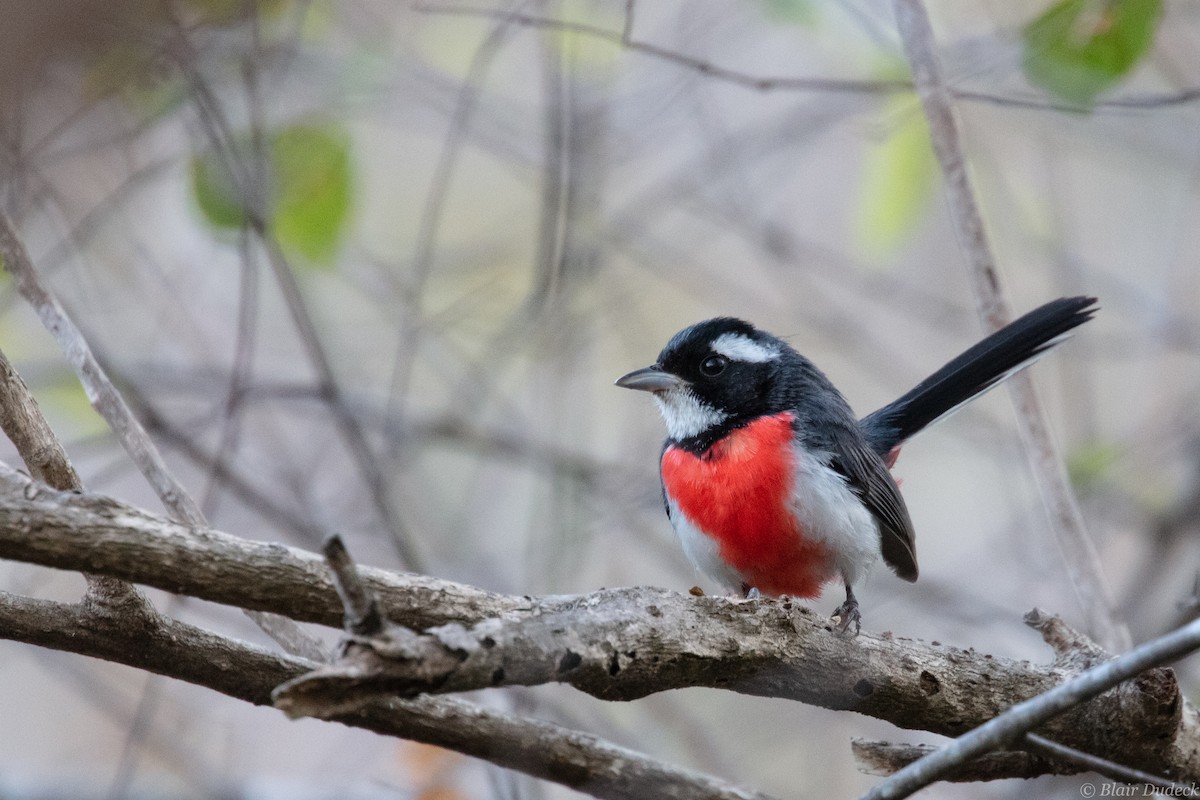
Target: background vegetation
{"x":371,"y":267}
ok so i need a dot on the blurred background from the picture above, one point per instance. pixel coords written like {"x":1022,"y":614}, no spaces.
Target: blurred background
{"x":372,"y":267}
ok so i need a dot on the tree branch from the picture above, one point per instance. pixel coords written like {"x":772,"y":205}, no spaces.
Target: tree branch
{"x":1106,"y":767}
{"x":71,"y":531}
{"x":1041,"y":757}
{"x":20,"y":416}
{"x":122,"y":626}
{"x":23,"y":424}
{"x":888,"y":758}
{"x":1029,"y":714}
{"x":614,"y":644}
{"x":139,"y":637}
{"x":100,"y":391}
{"x":108,"y":402}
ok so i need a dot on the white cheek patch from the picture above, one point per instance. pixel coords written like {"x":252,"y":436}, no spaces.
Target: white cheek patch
{"x":739,"y":347}
{"x":686,"y":416}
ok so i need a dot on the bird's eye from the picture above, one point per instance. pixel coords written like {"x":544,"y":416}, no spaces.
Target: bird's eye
{"x":713,"y":366}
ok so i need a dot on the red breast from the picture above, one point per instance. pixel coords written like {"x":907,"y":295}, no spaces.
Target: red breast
{"x":739,"y":493}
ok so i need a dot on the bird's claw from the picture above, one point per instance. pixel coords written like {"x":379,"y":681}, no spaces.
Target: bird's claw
{"x":849,"y":614}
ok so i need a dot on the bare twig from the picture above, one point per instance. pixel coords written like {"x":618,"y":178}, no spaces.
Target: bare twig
{"x":1041,"y":756}
{"x":1104,"y":766}
{"x":22,"y":420}
{"x":108,"y":402}
{"x":100,"y":391}
{"x":27,"y":429}
{"x":429,"y":226}
{"x":1131,"y":103}
{"x":1080,"y":559}
{"x":238,"y":484}
{"x":403,"y":540}
{"x":624,"y":38}
{"x":1023,"y":717}
{"x":888,"y":758}
{"x":252,"y":191}
{"x":706,"y":68}
{"x":361,"y":606}
{"x":175,"y":649}
{"x":239,"y":374}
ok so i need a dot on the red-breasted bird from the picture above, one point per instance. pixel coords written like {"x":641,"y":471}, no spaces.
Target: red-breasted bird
{"x":771,"y":482}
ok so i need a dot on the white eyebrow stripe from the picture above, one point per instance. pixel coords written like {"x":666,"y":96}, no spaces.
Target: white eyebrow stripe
{"x":739,"y":347}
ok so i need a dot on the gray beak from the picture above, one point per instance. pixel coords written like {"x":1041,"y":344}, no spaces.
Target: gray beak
{"x":650,"y":379}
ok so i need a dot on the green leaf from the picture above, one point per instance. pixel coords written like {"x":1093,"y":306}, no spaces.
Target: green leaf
{"x":309,"y":189}
{"x":216,"y":192}
{"x":136,"y":76}
{"x":231,"y":12}
{"x":312,"y":189}
{"x":899,"y":176}
{"x":67,"y":403}
{"x":790,"y":12}
{"x":582,"y":50}
{"x":1092,"y":464}
{"x":1080,"y":48}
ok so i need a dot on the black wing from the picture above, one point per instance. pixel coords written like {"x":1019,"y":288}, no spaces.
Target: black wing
{"x":868,"y":477}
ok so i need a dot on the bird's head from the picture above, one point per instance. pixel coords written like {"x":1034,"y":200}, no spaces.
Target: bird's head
{"x":713,"y":376}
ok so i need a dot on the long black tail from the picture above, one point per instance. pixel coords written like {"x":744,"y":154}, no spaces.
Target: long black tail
{"x":1005,"y":352}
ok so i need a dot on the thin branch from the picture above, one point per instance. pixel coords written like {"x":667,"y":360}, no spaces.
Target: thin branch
{"x":1080,"y":558}
{"x":23,"y":424}
{"x":238,"y":484}
{"x":240,"y":372}
{"x":1041,"y":756}
{"x":429,"y":225}
{"x":402,"y":538}
{"x":100,"y":391}
{"x":108,"y":402}
{"x":707,"y":68}
{"x":1136,"y":102}
{"x":1104,"y":766}
{"x":174,"y":649}
{"x":448,"y":429}
{"x":1023,"y":717}
{"x":253,"y":194}
{"x":624,"y":38}
{"x":22,"y":419}
{"x":888,"y":758}
{"x":361,"y":607}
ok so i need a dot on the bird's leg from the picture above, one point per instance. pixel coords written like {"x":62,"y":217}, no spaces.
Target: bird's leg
{"x":750,"y":592}
{"x":848,"y":612}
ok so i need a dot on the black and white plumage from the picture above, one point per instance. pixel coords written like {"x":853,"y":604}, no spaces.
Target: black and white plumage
{"x":771,"y":480}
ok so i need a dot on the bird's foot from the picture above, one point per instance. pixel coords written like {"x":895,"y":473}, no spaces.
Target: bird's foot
{"x":849,"y":614}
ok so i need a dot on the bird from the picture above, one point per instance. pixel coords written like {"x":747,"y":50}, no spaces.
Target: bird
{"x":773,"y":485}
